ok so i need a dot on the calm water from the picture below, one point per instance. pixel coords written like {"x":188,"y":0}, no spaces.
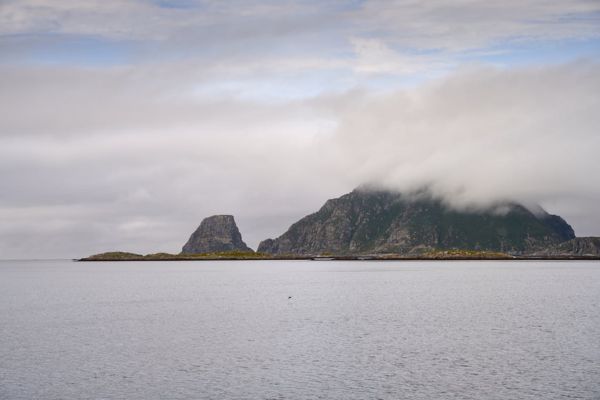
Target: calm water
{"x":352,"y":330}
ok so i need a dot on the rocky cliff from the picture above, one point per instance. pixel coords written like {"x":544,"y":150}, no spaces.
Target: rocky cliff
{"x":368,"y":222}
{"x":218,"y":233}
{"x":581,"y":247}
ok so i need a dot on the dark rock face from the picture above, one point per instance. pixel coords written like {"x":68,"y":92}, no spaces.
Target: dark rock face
{"x":368,"y":222}
{"x":216,"y":234}
{"x":581,"y":246}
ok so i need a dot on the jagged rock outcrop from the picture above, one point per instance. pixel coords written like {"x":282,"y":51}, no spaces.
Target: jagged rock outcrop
{"x":216,"y":234}
{"x":577,"y":247}
{"x":368,"y":222}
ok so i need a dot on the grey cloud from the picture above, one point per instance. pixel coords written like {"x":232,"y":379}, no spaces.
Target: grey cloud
{"x":119,"y":161}
{"x":443,"y":24}
{"x":151,"y":20}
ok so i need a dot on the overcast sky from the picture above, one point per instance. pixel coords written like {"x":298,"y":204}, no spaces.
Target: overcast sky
{"x":124,"y":123}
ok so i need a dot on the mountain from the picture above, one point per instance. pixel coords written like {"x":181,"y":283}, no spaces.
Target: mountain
{"x":369,"y":222}
{"x":218,"y":233}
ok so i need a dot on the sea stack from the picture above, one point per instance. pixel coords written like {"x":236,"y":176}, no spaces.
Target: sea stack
{"x":215,"y":234}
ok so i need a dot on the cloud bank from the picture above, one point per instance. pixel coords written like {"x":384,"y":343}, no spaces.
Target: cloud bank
{"x":481,"y":135}
{"x":122,"y":162}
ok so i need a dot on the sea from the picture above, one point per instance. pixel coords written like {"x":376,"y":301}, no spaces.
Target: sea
{"x":300,"y":330}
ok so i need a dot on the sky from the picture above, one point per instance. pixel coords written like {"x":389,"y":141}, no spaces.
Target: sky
{"x":124,"y":123}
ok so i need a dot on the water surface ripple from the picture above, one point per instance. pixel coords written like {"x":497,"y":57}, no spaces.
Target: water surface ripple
{"x":351,"y":330}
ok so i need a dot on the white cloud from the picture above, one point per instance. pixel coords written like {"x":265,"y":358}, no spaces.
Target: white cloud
{"x":373,"y":56}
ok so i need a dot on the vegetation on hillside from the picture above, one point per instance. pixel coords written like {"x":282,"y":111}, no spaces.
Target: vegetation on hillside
{"x":457,"y":253}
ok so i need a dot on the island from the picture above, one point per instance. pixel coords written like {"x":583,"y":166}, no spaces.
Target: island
{"x":369,"y":224}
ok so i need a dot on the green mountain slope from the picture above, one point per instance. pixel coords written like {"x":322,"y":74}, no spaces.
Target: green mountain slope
{"x":365,"y":222}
